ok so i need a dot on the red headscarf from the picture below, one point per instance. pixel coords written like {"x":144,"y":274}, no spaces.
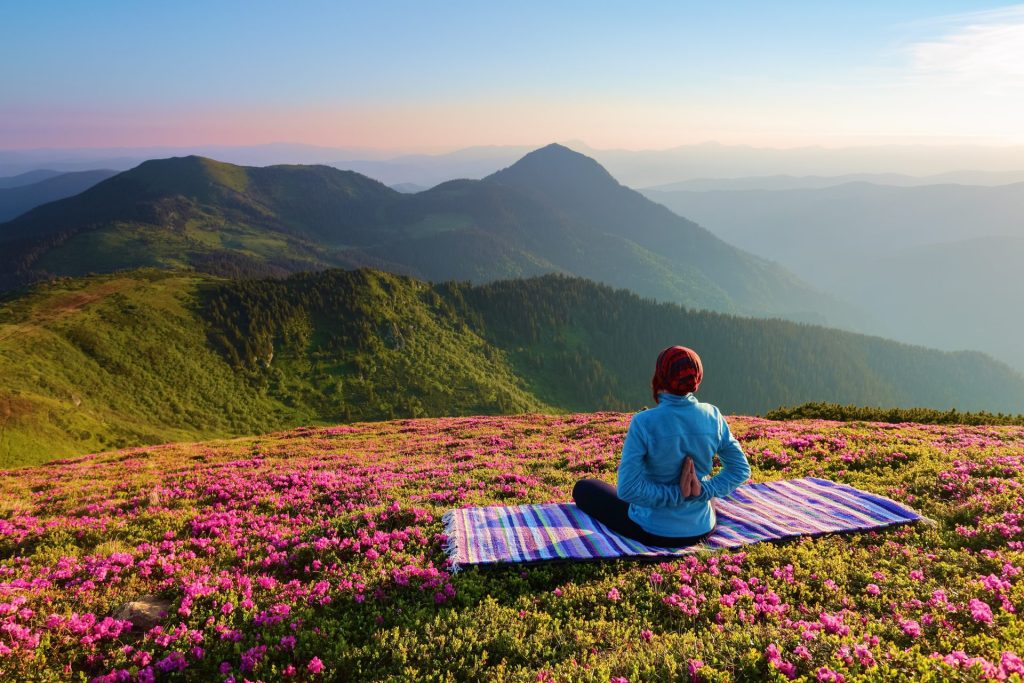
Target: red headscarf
{"x":678,"y":371}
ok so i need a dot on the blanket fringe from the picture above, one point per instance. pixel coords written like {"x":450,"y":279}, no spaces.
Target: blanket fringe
{"x":451,"y":547}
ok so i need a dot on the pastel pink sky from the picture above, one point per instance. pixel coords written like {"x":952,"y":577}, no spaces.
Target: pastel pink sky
{"x":444,"y":126}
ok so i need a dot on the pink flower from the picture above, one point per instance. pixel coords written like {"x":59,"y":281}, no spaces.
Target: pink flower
{"x":315,"y":666}
{"x":873,"y":589}
{"x":775,"y":660}
{"x":911,"y":628}
{"x":827,"y":675}
{"x":173,"y":662}
{"x":613,"y":594}
{"x":833,"y":623}
{"x":1012,"y":664}
{"x":980,"y":611}
{"x":647,"y":634}
{"x":864,"y":655}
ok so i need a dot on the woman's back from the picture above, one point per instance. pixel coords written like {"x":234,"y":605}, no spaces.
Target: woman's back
{"x":665,"y":488}
{"x":652,"y":457}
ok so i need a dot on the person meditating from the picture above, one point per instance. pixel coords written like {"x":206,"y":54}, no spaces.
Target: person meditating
{"x":665,"y":485}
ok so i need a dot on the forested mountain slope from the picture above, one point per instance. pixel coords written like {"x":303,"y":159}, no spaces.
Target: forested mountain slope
{"x":150,"y":356}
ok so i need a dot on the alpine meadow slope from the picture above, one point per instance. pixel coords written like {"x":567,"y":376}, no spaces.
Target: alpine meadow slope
{"x":553,"y":211}
{"x":319,"y":554}
{"x":152,"y":356}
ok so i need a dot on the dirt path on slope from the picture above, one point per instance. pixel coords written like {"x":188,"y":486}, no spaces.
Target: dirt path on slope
{"x":61,"y":306}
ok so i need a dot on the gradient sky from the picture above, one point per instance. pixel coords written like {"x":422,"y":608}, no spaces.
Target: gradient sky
{"x":430,"y":76}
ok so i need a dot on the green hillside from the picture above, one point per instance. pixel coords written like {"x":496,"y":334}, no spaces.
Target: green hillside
{"x":151,"y":356}
{"x":109,"y":361}
{"x":553,"y":211}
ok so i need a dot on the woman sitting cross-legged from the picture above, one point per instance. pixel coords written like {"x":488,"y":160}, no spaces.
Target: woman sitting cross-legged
{"x":665,"y":485}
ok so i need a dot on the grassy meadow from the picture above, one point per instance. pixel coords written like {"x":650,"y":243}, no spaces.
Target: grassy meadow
{"x":318,"y":554}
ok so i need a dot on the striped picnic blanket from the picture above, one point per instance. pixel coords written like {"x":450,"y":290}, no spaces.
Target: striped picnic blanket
{"x":752,"y":513}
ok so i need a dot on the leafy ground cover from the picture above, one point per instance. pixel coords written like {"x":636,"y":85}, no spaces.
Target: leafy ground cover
{"x":317,"y":554}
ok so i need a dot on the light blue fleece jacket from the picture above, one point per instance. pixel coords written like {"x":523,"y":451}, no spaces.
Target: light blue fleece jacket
{"x":652,"y":462}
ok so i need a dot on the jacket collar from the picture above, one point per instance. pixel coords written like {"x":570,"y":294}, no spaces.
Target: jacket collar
{"x":667,"y":399}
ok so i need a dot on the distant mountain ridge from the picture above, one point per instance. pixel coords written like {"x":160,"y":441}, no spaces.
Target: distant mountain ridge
{"x":791,"y":182}
{"x":27,"y":178}
{"x":934,"y":263}
{"x":803,"y":228}
{"x":555,"y":210}
{"x":635,"y":168}
{"x":16,"y":200}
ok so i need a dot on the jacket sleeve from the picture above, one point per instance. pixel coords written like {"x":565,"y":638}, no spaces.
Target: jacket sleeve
{"x":633,"y":486}
{"x":735,"y":468}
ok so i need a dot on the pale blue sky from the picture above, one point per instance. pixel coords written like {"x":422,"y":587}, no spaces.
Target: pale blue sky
{"x":447,"y":74}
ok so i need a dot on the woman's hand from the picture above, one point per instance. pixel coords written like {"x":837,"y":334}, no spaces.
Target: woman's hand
{"x":689,"y":484}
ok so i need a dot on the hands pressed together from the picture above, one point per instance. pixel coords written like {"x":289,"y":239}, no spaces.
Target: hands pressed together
{"x":689,"y":484}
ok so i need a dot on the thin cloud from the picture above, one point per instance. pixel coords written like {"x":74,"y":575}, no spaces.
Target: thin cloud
{"x":984,"y":50}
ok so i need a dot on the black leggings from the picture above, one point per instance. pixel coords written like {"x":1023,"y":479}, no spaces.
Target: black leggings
{"x":600,"y":500}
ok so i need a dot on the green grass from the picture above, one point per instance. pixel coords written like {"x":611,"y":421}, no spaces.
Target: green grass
{"x":110,"y":361}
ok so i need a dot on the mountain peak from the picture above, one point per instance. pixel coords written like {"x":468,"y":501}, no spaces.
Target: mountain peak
{"x":189,"y":175}
{"x":556,"y":168}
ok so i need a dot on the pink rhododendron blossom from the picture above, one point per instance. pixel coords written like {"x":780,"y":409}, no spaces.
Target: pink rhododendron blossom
{"x":911,"y":628}
{"x":827,"y":675}
{"x":980,"y":611}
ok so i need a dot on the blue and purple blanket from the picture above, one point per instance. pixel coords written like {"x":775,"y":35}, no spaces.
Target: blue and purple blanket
{"x":752,"y":513}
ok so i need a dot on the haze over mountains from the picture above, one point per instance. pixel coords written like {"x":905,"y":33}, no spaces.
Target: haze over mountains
{"x":17,"y":199}
{"x":27,"y":178}
{"x":792,"y":182}
{"x":634,"y":168}
{"x":936,"y":264}
{"x":554,"y":210}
